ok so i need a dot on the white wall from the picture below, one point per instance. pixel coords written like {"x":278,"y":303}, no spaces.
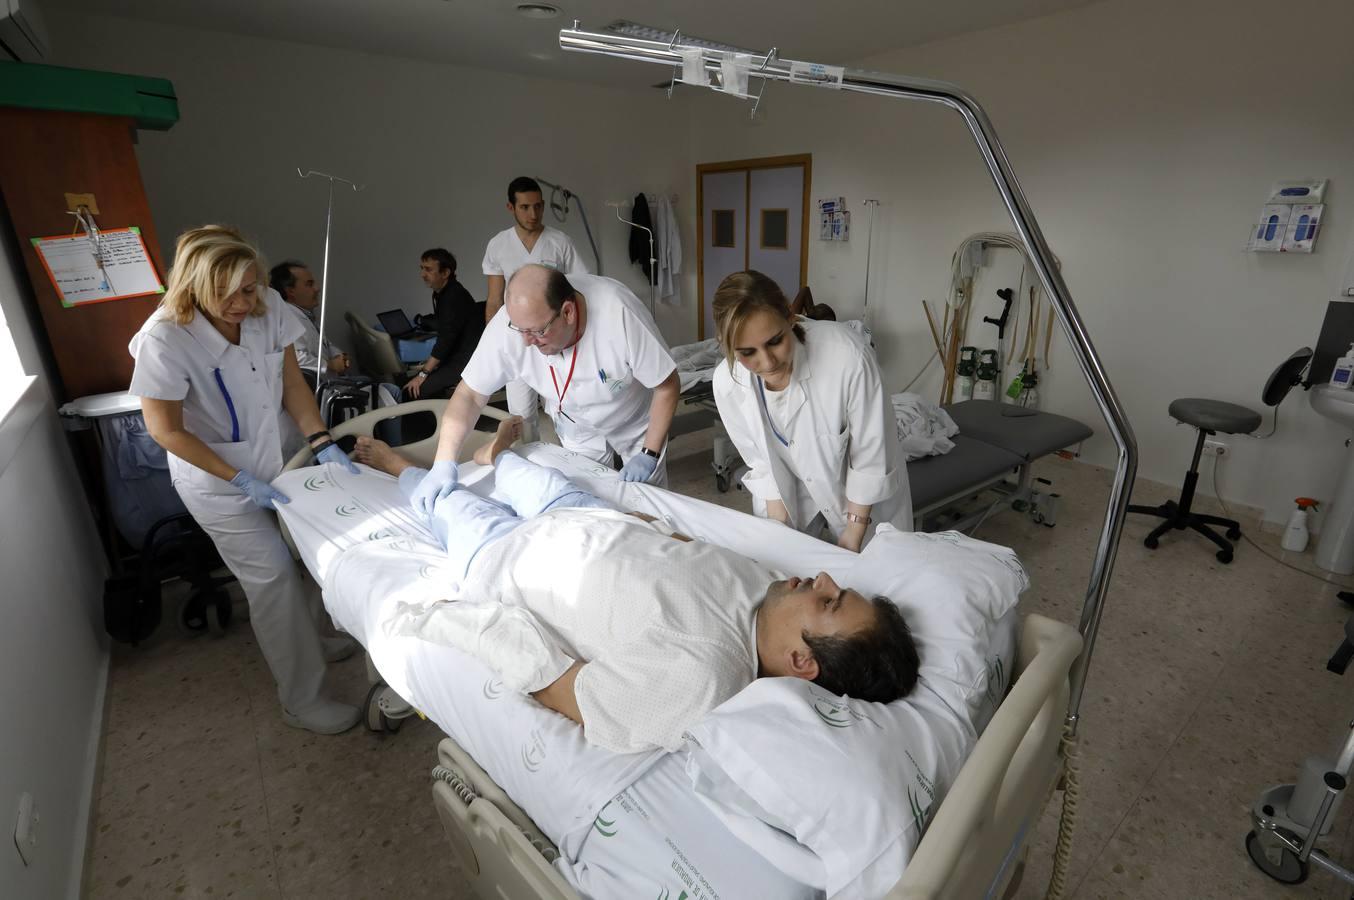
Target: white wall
{"x":53,"y":652}
{"x":1146,"y":134}
{"x":435,"y":145}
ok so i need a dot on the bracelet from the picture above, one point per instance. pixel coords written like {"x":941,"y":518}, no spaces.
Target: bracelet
{"x":318,"y":434}
{"x":858,"y":520}
{"x":322,"y":447}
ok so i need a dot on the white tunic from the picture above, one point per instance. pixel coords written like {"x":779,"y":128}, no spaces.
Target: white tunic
{"x":505,"y":253}
{"x":666,"y":626}
{"x":843,"y":439}
{"x":231,"y":394}
{"x":621,"y":358}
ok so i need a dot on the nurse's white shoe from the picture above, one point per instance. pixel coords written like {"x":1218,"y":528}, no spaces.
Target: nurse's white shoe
{"x":337,"y":649}
{"x":324,"y":717}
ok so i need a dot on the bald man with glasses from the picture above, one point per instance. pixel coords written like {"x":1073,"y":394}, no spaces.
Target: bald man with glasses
{"x":589,"y":348}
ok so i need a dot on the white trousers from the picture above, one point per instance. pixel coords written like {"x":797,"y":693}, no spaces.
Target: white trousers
{"x":252,"y":548}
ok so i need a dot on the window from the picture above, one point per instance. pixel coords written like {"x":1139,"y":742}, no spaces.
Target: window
{"x":722,"y":229}
{"x":775,"y":229}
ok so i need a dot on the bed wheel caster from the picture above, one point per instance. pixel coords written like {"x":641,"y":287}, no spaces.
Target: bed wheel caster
{"x":1224,"y":556}
{"x":205,"y":611}
{"x":1149,"y":542}
{"x":377,"y":720}
{"x":722,"y":483}
{"x":1288,"y":870}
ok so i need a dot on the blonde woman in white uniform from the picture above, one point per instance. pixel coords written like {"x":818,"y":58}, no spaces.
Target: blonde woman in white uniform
{"x":216,"y":372}
{"x":804,"y":404}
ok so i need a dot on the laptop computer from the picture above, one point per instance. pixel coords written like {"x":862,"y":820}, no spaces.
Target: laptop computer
{"x":396,"y":324}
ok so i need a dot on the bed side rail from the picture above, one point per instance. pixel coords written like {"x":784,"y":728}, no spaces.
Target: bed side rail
{"x":499,"y":857}
{"x":1001,"y":791}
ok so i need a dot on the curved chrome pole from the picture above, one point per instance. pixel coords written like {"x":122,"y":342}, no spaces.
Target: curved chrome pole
{"x":980,"y":128}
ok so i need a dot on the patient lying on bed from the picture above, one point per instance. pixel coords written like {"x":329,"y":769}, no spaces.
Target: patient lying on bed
{"x":626,"y":628}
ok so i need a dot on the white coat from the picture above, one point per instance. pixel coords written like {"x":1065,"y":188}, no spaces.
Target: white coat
{"x":232,"y":401}
{"x":843,"y":439}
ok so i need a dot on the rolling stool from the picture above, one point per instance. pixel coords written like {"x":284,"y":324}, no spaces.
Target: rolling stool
{"x":1209,"y":417}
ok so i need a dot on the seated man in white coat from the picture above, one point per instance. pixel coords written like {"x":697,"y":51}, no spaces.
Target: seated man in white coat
{"x":632,"y":631}
{"x":591,"y":350}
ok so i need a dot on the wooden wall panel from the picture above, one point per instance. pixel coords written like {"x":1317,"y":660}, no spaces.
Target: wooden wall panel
{"x":44,"y":155}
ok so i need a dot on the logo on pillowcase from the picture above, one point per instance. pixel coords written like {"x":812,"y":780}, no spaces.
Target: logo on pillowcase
{"x":666,"y":895}
{"x":428,"y":572}
{"x":317,"y":483}
{"x":533,"y":752}
{"x":919,"y":813}
{"x":602,"y":825}
{"x":996,"y":679}
{"x":493,"y":689}
{"x":838,"y":713}
{"x":382,"y":534}
{"x":400,"y":542}
{"x":921,"y":798}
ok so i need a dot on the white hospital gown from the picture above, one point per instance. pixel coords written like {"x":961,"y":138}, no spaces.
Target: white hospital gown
{"x":666,"y":627}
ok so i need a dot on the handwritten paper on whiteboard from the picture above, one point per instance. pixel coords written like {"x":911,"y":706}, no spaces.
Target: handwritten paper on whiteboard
{"x":121,"y":268}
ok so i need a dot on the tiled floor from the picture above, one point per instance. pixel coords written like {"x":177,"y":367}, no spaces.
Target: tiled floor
{"x":1208,"y":684}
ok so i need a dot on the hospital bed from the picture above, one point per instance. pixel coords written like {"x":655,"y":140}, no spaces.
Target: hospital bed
{"x":532,"y":811}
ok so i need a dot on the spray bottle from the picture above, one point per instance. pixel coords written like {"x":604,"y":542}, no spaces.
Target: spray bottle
{"x":1296,"y":534}
{"x":1343,"y":373}
{"x":985,"y":387}
{"x":964,"y":371}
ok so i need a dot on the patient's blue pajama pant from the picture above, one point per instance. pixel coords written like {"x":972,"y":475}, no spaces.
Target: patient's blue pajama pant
{"x":465,"y":522}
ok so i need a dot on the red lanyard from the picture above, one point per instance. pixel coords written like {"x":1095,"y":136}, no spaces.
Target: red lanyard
{"x":567,"y":379}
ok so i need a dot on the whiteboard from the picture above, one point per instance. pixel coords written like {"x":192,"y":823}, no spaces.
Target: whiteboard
{"x":121,"y":267}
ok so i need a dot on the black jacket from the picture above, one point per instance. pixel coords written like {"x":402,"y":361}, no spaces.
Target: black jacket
{"x":460,"y":322}
{"x":639,"y":238}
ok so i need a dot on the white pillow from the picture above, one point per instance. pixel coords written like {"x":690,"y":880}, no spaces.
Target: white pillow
{"x":956,"y":593}
{"x":857,"y":782}
{"x":854,"y":782}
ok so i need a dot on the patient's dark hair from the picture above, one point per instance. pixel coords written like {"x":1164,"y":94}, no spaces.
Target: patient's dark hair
{"x":878,"y":664}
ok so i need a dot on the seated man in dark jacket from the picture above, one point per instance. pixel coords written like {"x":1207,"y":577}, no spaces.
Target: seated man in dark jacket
{"x":460,"y":322}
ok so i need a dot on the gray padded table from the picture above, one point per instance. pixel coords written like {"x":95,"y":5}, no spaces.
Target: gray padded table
{"x":1013,"y":429}
{"x":971,"y":464}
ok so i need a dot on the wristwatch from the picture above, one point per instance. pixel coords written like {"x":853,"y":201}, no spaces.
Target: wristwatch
{"x":858,"y":520}
{"x":653,"y":453}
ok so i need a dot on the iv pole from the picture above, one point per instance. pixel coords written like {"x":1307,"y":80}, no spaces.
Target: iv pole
{"x":324,"y":274}
{"x":653,"y":260}
{"x":869,"y":246}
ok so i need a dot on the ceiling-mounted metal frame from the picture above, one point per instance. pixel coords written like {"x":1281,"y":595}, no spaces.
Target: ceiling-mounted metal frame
{"x":773,"y":68}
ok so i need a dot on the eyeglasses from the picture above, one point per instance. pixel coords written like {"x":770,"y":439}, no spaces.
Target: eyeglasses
{"x":538,"y":333}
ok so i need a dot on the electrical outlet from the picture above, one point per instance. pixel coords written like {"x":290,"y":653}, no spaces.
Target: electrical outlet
{"x":26,"y":829}
{"x":1215,"y":448}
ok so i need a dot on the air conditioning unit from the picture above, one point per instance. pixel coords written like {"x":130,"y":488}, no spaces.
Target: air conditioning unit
{"x":23,"y":37}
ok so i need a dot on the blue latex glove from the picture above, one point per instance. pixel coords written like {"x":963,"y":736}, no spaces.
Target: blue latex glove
{"x":639,"y":467}
{"x":334,"y":454}
{"x":264,"y":495}
{"x":439,"y":481}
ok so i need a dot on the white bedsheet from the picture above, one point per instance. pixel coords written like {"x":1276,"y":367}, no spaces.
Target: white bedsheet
{"x":385,"y":558}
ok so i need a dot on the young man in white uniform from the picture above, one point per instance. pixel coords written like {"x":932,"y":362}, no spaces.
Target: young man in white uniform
{"x":629,"y":630}
{"x":529,"y":240}
{"x":593,"y":352}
